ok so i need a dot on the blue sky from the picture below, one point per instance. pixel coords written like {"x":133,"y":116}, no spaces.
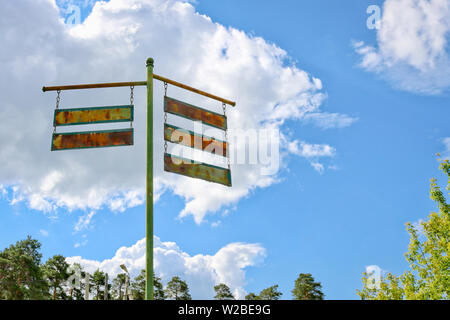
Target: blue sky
{"x":331,"y":223}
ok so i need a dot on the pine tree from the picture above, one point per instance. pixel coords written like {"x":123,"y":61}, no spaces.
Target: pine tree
{"x":177,"y":289}
{"x":21,"y":275}
{"x":76,"y":281}
{"x":55,"y":271}
{"x":306,"y":289}
{"x":251,"y":296}
{"x":97,"y":281}
{"x":118,"y":286}
{"x":270,"y":293}
{"x":223,"y":292}
{"x":138,"y":287}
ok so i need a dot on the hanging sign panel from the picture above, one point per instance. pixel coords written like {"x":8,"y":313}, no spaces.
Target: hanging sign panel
{"x":65,"y":117}
{"x":191,"y":112}
{"x":191,"y":139}
{"x":92,"y":139}
{"x":201,"y":171}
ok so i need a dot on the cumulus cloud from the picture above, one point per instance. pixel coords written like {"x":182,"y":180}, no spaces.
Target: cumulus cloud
{"x":412,"y":49}
{"x":84,"y":221}
{"x":327,"y":120}
{"x":201,"y":272}
{"x":112,"y":44}
{"x":312,"y":152}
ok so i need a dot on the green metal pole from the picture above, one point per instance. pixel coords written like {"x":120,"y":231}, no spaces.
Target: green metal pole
{"x":149,"y":186}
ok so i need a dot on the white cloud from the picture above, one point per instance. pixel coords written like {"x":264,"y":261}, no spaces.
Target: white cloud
{"x":412,"y":49}
{"x":84,"y":221}
{"x":311,"y":150}
{"x":112,"y":44}
{"x":201,"y":272}
{"x":327,"y":120}
{"x":215,"y":224}
{"x":43,"y":232}
{"x":80,"y":244}
{"x":318,"y":166}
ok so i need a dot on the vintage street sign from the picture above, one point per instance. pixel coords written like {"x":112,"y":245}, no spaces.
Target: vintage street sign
{"x":191,"y":139}
{"x":193,"y":169}
{"x":109,"y":138}
{"x":194,"y":140}
{"x":92,"y":139}
{"x":191,"y":112}
{"x":64,"y":117}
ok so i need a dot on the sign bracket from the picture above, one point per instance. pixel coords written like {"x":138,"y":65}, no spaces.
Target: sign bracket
{"x":149,"y":175}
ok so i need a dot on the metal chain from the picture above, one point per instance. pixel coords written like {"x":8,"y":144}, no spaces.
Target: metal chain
{"x":224,"y":106}
{"x":165,"y":116}
{"x":131,"y":102}
{"x":58,"y":99}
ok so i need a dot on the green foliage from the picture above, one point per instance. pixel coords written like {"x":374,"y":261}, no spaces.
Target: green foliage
{"x":138,"y":287}
{"x":428,"y":257}
{"x":223,"y":292}
{"x":76,"y":292}
{"x":177,"y":289}
{"x":251,"y":296}
{"x":55,"y":271}
{"x":118,"y":286}
{"x":21,"y":276}
{"x":158,"y":291}
{"x":97,"y":282}
{"x":270,"y":293}
{"x":306,"y":289}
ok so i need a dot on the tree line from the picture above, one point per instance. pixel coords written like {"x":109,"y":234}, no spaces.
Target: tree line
{"x":23,"y":276}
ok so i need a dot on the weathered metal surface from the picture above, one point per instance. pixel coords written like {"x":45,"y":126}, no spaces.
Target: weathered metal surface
{"x":191,"y":139}
{"x":65,"y":117}
{"x":92,"y":139}
{"x":95,"y":86}
{"x":135,"y":84}
{"x":191,"y":112}
{"x":186,"y":87}
{"x":197,"y":170}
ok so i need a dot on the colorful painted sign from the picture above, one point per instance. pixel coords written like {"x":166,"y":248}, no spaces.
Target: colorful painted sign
{"x":197,"y":170}
{"x":92,"y":139}
{"x":65,"y":117}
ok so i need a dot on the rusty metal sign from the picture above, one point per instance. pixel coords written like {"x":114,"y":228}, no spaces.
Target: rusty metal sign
{"x":92,"y":139}
{"x":191,"y":112}
{"x":65,"y":117}
{"x":197,"y":170}
{"x":191,"y":139}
